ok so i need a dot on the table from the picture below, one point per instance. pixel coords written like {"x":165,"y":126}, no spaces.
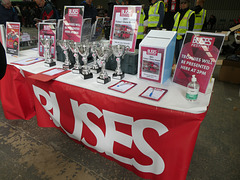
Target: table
{"x":154,"y":139}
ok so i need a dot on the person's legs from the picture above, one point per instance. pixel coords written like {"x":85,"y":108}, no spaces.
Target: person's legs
{"x":178,"y":49}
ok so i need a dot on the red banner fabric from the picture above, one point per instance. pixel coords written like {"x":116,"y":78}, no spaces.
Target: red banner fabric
{"x":153,"y":142}
{"x":16,"y":95}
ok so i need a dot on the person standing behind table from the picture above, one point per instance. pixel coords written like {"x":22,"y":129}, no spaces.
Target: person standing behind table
{"x":3,"y":61}
{"x":200,"y":16}
{"x":89,"y":10}
{"x":183,"y":22}
{"x":7,"y":12}
{"x":48,"y":10}
{"x":156,"y":14}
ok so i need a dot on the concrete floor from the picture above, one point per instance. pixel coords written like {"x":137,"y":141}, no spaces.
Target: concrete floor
{"x":28,"y":152}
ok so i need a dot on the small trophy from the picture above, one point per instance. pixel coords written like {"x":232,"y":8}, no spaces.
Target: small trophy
{"x":95,"y":68}
{"x":104,"y":52}
{"x":77,"y":68}
{"x":47,"y":44}
{"x":119,"y":51}
{"x":64,"y":45}
{"x":84,"y":51}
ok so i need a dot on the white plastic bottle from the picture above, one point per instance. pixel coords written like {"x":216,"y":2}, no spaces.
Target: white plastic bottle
{"x":192,"y":89}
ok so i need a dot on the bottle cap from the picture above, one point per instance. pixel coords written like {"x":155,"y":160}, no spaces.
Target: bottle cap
{"x":194,"y":79}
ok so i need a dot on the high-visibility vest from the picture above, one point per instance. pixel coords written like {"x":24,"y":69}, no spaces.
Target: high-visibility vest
{"x":183,"y":25}
{"x":140,"y":34}
{"x":199,"y":20}
{"x":153,"y":16}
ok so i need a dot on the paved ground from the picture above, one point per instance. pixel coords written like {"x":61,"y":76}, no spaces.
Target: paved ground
{"x":28,"y":152}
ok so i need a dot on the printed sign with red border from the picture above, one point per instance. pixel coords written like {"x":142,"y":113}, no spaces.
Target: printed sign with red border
{"x":198,"y":57}
{"x":151,"y":63}
{"x":12,"y":37}
{"x":125,"y":21}
{"x":47,"y":30}
{"x":72,"y":23}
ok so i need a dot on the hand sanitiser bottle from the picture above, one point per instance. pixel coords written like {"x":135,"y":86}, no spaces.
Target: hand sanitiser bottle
{"x":192,"y":89}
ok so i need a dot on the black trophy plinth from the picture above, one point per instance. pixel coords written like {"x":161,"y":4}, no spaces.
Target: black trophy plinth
{"x":118,"y":76}
{"x":86,"y":76}
{"x":103,"y":81}
{"x":76,"y":71}
{"x":67,"y":67}
{"x":47,"y":64}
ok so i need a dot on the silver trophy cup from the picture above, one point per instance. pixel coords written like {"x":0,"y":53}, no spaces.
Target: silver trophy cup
{"x":47,"y":44}
{"x":84,"y":51}
{"x":64,"y":46}
{"x":103,"y":53}
{"x":77,"y":68}
{"x":119,"y":51}
{"x":95,"y":67}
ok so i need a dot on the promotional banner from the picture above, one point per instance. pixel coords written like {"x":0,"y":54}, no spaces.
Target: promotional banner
{"x":154,"y":143}
{"x":125,"y":21}
{"x":72,"y":23}
{"x":47,"y":30}
{"x":12,"y":37}
{"x":198,"y":57}
{"x":151,"y":63}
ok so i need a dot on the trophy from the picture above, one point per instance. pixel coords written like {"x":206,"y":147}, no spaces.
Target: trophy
{"x":47,"y":44}
{"x":77,"y":68}
{"x":84,"y":51}
{"x":103,"y":52}
{"x":64,"y":46}
{"x":95,"y":68}
{"x":119,"y":51}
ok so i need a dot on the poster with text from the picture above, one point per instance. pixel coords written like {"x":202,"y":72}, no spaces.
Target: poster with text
{"x":151,"y":63}
{"x":12,"y":37}
{"x":125,"y":21}
{"x":47,"y":30}
{"x":198,"y":57}
{"x":72,"y":23}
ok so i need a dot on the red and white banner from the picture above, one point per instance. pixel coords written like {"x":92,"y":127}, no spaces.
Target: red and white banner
{"x":125,"y":23}
{"x":154,"y":143}
{"x":198,"y":57}
{"x":72,"y":23}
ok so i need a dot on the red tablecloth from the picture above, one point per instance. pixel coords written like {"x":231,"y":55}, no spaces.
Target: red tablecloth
{"x":153,"y":142}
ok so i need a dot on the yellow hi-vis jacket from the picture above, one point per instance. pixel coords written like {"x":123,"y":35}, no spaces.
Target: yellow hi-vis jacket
{"x":199,"y":20}
{"x":140,"y":34}
{"x":181,"y":27}
{"x":153,"y":16}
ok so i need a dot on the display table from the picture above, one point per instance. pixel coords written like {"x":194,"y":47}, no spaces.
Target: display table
{"x":154,"y":139}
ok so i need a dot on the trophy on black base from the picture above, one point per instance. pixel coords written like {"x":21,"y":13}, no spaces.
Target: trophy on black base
{"x":77,"y":68}
{"x":47,"y":44}
{"x":84,"y":51}
{"x":95,"y":68}
{"x":64,"y":45}
{"x":104,"y":52}
{"x":119,"y":51}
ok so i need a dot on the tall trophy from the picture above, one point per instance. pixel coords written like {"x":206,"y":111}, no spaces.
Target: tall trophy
{"x":47,"y":44}
{"x":95,"y":68}
{"x":119,"y":51}
{"x":64,"y":46}
{"x":103,"y":53}
{"x":77,"y":68}
{"x":84,"y":51}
